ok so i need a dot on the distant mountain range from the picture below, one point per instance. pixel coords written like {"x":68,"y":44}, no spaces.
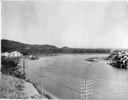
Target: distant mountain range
{"x":9,"y":46}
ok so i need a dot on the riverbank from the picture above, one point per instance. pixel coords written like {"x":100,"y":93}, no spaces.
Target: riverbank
{"x":58,"y":54}
{"x":14,"y":84}
{"x":14,"y":88}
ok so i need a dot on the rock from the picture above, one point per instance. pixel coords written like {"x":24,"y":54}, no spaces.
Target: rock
{"x":30,"y":91}
{"x":14,"y":88}
{"x":118,"y":59}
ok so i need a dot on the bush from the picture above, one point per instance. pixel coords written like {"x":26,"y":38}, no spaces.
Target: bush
{"x":10,"y":66}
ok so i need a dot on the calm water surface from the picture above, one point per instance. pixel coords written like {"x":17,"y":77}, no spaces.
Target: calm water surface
{"x":63,"y":76}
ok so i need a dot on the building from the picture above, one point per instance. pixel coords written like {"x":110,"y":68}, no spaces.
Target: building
{"x":12,"y":54}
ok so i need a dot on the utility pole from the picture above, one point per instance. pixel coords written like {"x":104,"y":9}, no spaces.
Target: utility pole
{"x":41,"y":83}
{"x":24,"y":68}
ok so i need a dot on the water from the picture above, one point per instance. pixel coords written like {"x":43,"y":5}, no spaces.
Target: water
{"x":63,"y":76}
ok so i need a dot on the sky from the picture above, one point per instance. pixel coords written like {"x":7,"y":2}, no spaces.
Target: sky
{"x":79,"y":24}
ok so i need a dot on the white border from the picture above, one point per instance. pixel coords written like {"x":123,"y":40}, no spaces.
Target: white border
{"x":65,"y":0}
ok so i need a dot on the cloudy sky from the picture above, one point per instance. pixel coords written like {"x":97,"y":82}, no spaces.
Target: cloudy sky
{"x":80,"y":24}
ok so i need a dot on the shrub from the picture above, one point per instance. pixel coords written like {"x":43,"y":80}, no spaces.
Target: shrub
{"x":10,"y":66}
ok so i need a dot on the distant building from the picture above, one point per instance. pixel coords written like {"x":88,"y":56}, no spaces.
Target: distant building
{"x":6,"y":54}
{"x":12,"y":54}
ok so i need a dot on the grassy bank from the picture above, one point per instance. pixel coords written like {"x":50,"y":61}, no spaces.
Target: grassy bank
{"x":12,"y":79}
{"x":11,"y":88}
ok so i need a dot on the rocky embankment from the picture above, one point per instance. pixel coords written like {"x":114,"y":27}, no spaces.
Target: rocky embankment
{"x":118,"y":59}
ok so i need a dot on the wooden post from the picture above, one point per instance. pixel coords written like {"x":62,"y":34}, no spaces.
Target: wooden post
{"x":24,"y":68}
{"x":41,"y":83}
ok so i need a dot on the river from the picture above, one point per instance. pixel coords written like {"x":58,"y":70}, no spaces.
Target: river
{"x":64,"y":77}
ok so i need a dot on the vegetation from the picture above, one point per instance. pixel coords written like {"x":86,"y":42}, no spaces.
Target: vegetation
{"x":11,"y":88}
{"x":10,"y":66}
{"x":26,"y":49}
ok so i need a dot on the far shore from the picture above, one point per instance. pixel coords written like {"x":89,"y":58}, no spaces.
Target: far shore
{"x":57,"y":54}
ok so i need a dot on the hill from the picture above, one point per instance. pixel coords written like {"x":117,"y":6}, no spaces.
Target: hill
{"x":9,"y":46}
{"x":26,"y":49}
